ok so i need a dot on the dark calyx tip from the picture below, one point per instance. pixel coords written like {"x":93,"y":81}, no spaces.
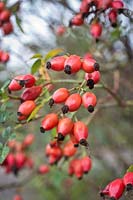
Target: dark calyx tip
{"x":48,"y":65}
{"x":66,"y":158}
{"x":67,"y":69}
{"x":90,"y":108}
{"x":112,"y":198}
{"x":102,"y":194}
{"x":79,"y":178}
{"x":90,"y":83}
{"x":9,"y":91}
{"x":85,"y":172}
{"x":96,"y":66}
{"x":15,"y":170}
{"x":60,"y":137}
{"x":19,"y":113}
{"x":65,"y":109}
{"x":70,"y":24}
{"x":42,"y":130}
{"x":51,"y":102}
{"x":120,"y":11}
{"x":83,"y":142}
{"x":114,"y":25}
{"x":76,"y":145}
{"x":21,"y":100}
{"x":129,"y":187}
{"x":22,"y":83}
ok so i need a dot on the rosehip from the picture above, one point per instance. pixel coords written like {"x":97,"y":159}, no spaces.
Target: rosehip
{"x":128,"y":180}
{"x":113,"y":17}
{"x":20,"y":159}
{"x":69,"y":149}
{"x":103,"y":4}
{"x":117,"y":4}
{"x":84,"y":6}
{"x":77,"y":20}
{"x":80,"y":132}
{"x":29,"y":80}
{"x":2,"y":6}
{"x":43,"y":169}
{"x":17,"y":197}
{"x":57,"y":63}
{"x":72,"y":64}
{"x":4,"y":57}
{"x":92,"y":78}
{"x":116,"y":189}
{"x":7,"y":28}
{"x":86,"y":164}
{"x":31,"y":93}
{"x":60,"y":30}
{"x":90,"y":65}
{"x":10,"y":160}
{"x":14,"y":85}
{"x":5,"y":15}
{"x":96,"y":30}
{"x":28,"y":140}
{"x":74,"y":140}
{"x":26,"y":108}
{"x":78,"y":170}
{"x":59,"y":96}
{"x":64,"y":127}
{"x":49,"y":122}
{"x":89,"y":101}
{"x":105,"y":191}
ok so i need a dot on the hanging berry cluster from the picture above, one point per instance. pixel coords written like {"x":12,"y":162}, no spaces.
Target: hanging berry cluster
{"x":94,"y":8}
{"x":18,"y":157}
{"x":4,"y":56}
{"x":115,"y":189}
{"x":5,"y":23}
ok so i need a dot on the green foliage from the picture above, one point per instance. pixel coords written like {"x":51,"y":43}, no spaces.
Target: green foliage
{"x":36,"y":65}
{"x":52,"y":53}
{"x":130,"y":169}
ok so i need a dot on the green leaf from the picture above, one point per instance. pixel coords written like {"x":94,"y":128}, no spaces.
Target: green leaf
{"x":54,"y":132}
{"x":33,"y":114}
{"x":1,"y":147}
{"x":15,"y":7}
{"x":12,"y":136}
{"x":5,"y":85}
{"x":52,"y":53}
{"x":18,"y":21}
{"x":37,"y":55}
{"x":36,"y":66}
{"x":130,"y":169}
{"x":4,"y":153}
{"x":6,"y":133}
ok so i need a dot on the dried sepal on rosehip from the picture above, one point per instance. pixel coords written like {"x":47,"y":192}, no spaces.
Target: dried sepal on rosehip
{"x":89,"y":101}
{"x":56,"y":63}
{"x":72,"y":64}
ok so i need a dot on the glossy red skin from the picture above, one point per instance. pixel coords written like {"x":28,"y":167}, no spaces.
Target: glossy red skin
{"x":103,"y":4}
{"x":2,"y":6}
{"x":31,"y":93}
{"x":7,"y":28}
{"x":27,"y":107}
{"x":80,"y":131}
{"x":17,"y":197}
{"x":55,"y":151}
{"x":77,"y":167}
{"x":88,"y":65}
{"x":50,"y":121}
{"x":29,"y":80}
{"x":57,"y":63}
{"x":60,"y":95}
{"x":87,"y":55}
{"x":65,"y":126}
{"x":84,"y":6}
{"x":88,"y":99}
{"x":52,"y":159}
{"x":73,"y":102}
{"x":22,"y":117}
{"x":4,"y":57}
{"x":96,"y":30}
{"x":105,"y":191}
{"x":113,"y":16}
{"x":95,"y":76}
{"x":74,"y":62}
{"x":28,"y":140}
{"x":86,"y":164}
{"x":5,"y":15}
{"x":73,"y":139}
{"x":128,"y":178}
{"x":60,"y":30}
{"x":69,"y":149}
{"x":14,"y":86}
{"x":116,"y":188}
{"x":10,"y":160}
{"x":117,"y":4}
{"x":20,"y":159}
{"x":43,"y":169}
{"x":77,"y":20}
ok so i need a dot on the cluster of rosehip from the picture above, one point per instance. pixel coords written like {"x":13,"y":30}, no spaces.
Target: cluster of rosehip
{"x":87,"y":7}
{"x":4,"y":56}
{"x":55,"y":151}
{"x":18,"y":158}
{"x":115,"y":189}
{"x":5,"y":22}
{"x":29,"y":94}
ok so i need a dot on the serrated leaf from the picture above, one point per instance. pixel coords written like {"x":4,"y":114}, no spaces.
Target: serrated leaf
{"x":4,"y":153}
{"x":36,"y":65}
{"x":33,"y":114}
{"x":52,"y":53}
{"x":18,"y":21}
{"x":37,"y":55}
{"x":130,"y":169}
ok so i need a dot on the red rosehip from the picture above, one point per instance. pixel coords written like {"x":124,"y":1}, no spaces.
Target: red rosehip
{"x":59,"y":96}
{"x":128,"y":180}
{"x":89,"y":101}
{"x":20,"y":159}
{"x":64,"y":127}
{"x":80,"y":132}
{"x":69,"y":149}
{"x":78,"y":170}
{"x":72,"y":103}
{"x":113,"y":17}
{"x":10,"y":160}
{"x":49,"y":122}
{"x":74,"y":140}
{"x":5,"y":15}
{"x":87,"y":55}
{"x":28,"y":140}
{"x":7,"y":28}
{"x":72,"y":64}
{"x":103,"y":4}
{"x":56,"y":63}
{"x":60,"y":30}
{"x":2,"y":6}
{"x":77,"y":20}
{"x":31,"y":93}
{"x":96,"y":30}
{"x":26,"y":108}
{"x":84,"y":6}
{"x":92,"y":78}
{"x":4,"y":57}
{"x":29,"y":80}
{"x":17,"y":197}
{"x":86,"y":164}
{"x":43,"y":169}
{"x":14,"y":85}
{"x":105,"y":191}
{"x":117,"y":4}
{"x":116,"y":189}
{"x":90,"y":65}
